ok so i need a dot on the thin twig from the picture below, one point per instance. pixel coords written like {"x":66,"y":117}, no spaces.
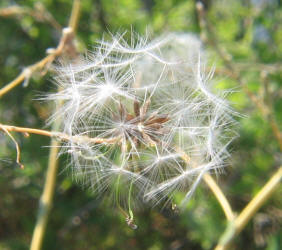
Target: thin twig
{"x":39,"y":13}
{"x":248,"y":212}
{"x":75,"y":12}
{"x":209,"y":37}
{"x":269,"y":68}
{"x":250,"y":66}
{"x":45,"y":62}
{"x":219,"y":195}
{"x":60,"y":136}
{"x":16,"y":144}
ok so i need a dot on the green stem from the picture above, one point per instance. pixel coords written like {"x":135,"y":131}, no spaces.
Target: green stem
{"x":129,"y":201}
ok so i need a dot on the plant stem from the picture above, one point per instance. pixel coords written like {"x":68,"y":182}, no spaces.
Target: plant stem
{"x":46,"y":200}
{"x":27,"y":72}
{"x":219,"y":195}
{"x":58,"y":135}
{"x":248,"y":212}
{"x":27,"y":130}
{"x":75,"y":12}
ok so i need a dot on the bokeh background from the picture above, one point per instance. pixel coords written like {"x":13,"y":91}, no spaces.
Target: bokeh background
{"x":249,"y":32}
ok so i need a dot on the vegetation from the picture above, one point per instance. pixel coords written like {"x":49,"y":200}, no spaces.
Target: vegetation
{"x":238,"y":209}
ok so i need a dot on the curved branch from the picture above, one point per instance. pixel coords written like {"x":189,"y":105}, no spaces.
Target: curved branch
{"x":219,"y":195}
{"x":248,"y":212}
{"x":66,"y":38}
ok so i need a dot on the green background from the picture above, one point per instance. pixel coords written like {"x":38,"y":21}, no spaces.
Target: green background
{"x":250,"y":31}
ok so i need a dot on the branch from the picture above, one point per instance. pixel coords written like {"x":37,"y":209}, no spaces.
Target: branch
{"x":39,"y":13}
{"x":219,"y":195}
{"x":65,"y":40}
{"x":75,"y":12}
{"x":247,"y":213}
{"x":16,"y":144}
{"x":58,"y":135}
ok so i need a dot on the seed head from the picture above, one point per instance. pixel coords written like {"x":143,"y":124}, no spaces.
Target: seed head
{"x":163,"y":123}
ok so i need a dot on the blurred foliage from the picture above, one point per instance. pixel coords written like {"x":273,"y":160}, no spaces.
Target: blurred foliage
{"x":251,"y":31}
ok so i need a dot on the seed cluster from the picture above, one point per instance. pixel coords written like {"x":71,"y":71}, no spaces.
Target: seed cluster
{"x":160,"y":121}
{"x":140,"y":127}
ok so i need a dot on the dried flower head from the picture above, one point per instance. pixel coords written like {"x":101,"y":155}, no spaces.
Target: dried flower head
{"x":161,"y":123}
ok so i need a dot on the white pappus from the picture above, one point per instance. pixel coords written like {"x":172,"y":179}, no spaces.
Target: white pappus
{"x":161,"y":122}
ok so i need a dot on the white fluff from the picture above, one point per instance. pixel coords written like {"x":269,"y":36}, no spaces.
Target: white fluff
{"x":150,"y":160}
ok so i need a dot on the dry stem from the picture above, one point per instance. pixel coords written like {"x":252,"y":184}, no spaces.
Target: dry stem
{"x":75,"y":12}
{"x":58,"y":135}
{"x":46,"y":199}
{"x":225,"y":205}
{"x":248,"y":212}
{"x":16,"y":144}
{"x":45,"y":62}
{"x":39,"y":13}
{"x":219,"y":195}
